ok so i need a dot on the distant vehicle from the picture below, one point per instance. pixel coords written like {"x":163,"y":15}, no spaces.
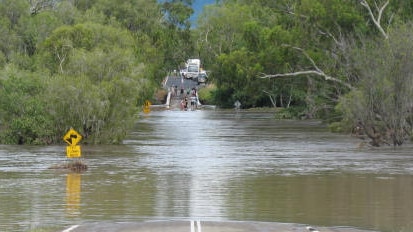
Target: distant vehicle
{"x":201,"y":78}
{"x":193,"y":68}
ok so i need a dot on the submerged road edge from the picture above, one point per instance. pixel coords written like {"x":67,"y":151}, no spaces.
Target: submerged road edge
{"x":207,"y":226}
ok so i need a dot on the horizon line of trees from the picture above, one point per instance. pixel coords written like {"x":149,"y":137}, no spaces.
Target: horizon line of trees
{"x":90,"y":64}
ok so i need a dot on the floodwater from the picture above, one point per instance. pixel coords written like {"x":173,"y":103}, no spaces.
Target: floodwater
{"x":214,"y":166}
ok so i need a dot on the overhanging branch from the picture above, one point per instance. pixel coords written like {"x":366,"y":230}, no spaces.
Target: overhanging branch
{"x":317,"y":72}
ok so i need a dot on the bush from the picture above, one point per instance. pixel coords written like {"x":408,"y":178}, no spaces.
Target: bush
{"x":290,"y":113}
{"x":25,"y":120}
{"x":206,"y":94}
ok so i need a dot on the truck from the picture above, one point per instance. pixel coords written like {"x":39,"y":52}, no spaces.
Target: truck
{"x":193,"y":68}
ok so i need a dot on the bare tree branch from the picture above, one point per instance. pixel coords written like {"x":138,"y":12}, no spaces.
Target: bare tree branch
{"x":338,"y":42}
{"x":290,"y":9}
{"x":270,"y":95}
{"x":317,"y":72}
{"x":64,"y":50}
{"x":38,"y":5}
{"x":376,"y":21}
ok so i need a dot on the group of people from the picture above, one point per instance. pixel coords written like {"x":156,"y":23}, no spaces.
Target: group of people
{"x":192,"y":99}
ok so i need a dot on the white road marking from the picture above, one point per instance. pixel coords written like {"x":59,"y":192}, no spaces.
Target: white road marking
{"x":71,"y":228}
{"x":311,"y":229}
{"x":198,"y":225}
{"x":192,"y":226}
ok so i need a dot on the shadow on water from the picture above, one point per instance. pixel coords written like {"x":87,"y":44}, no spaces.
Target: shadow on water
{"x":214,"y":166}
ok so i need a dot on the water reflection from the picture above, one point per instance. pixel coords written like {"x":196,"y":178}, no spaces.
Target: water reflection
{"x":73,"y":183}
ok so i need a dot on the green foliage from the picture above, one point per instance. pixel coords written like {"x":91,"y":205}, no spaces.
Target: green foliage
{"x":134,"y":15}
{"x":14,"y":10}
{"x":328,"y":14}
{"x":22,"y":108}
{"x":8,"y":39}
{"x":206,"y":94}
{"x":242,"y":40}
{"x":99,"y":97}
{"x":36,"y":29}
{"x":338,"y":127}
{"x":67,"y":12}
{"x":382,"y":103}
{"x":89,"y":75}
{"x":290,"y":113}
{"x":178,"y":12}
{"x":223,"y":97}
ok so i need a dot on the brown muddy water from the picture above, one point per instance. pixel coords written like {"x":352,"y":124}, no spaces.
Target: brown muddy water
{"x":213,"y":166}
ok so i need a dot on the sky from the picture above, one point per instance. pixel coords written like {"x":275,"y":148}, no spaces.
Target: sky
{"x":198,"y":5}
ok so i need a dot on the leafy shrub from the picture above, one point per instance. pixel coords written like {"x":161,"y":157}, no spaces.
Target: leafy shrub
{"x":206,"y":94}
{"x":290,"y":113}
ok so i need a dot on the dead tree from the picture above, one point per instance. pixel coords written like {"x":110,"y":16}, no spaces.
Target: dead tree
{"x":377,"y":18}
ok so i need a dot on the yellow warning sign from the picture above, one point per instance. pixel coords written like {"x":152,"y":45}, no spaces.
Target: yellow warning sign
{"x":72,"y":137}
{"x":147,"y":107}
{"x":73,"y":151}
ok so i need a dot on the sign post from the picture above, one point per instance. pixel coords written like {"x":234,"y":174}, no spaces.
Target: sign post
{"x":72,"y":138}
{"x":237,"y":105}
{"x":147,"y":107}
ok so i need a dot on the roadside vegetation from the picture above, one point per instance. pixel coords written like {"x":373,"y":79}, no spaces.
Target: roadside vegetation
{"x":90,"y":65}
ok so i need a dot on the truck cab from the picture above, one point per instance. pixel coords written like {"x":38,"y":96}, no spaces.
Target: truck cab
{"x":193,"y":67}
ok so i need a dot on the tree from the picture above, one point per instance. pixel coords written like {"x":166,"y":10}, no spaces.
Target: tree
{"x":323,"y":54}
{"x":22,"y":108}
{"x":37,"y":6}
{"x":82,"y":64}
{"x":377,"y":18}
{"x":177,"y":13}
{"x":142,"y":16}
{"x":35,"y":29}
{"x":229,"y":41}
{"x":176,"y":39}
{"x":11,"y":13}
{"x":382,"y":106}
{"x":97,"y":80}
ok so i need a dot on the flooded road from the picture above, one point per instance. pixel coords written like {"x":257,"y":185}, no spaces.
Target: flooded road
{"x":214,"y":166}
